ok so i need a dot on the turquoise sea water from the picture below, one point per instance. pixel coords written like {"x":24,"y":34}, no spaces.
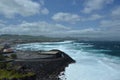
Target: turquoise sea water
{"x":94,"y":60}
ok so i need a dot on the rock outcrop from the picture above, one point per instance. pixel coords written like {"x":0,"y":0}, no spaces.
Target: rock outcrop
{"x":46,"y":69}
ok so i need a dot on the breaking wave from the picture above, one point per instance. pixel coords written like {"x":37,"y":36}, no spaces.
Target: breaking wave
{"x":91,"y":63}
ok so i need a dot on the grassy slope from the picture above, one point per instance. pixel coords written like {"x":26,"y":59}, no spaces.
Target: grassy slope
{"x":13,"y":74}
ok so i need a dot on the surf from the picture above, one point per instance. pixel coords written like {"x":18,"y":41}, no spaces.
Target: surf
{"x":91,"y":63}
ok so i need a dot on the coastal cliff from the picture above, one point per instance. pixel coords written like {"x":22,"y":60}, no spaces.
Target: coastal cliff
{"x":46,"y":69}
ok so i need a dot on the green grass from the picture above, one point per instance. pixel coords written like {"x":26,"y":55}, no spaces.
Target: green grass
{"x":13,"y":74}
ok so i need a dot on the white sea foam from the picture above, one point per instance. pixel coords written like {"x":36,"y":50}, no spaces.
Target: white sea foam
{"x":88,"y":66}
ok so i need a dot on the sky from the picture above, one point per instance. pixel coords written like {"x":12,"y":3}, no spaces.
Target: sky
{"x":61,"y":18}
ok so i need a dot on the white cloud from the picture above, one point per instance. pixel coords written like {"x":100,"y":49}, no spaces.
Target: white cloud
{"x":109,"y":29}
{"x":9,"y":8}
{"x":92,"y":17}
{"x":93,"y":5}
{"x":35,"y":28}
{"x":2,"y":22}
{"x":110,"y":23}
{"x":82,"y":31}
{"x":44,"y":11}
{"x":116,"y":12}
{"x":72,"y":18}
{"x":66,"y":17}
{"x":47,"y":29}
{"x":95,"y":17}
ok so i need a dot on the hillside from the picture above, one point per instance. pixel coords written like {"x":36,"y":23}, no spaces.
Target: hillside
{"x":26,"y":38}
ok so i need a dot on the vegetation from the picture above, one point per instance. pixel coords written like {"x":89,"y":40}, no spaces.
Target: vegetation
{"x":8,"y":71}
{"x":11,"y":72}
{"x":13,"y":56}
{"x":2,"y":65}
{"x":2,"y":57}
{"x":5,"y":74}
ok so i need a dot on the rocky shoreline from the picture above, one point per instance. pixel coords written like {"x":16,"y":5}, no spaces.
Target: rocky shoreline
{"x":44,"y":67}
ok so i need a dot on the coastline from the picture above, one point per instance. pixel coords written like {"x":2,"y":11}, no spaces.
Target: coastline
{"x":44,"y":68}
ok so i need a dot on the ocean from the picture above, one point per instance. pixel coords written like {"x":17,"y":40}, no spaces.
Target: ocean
{"x":95,"y":60}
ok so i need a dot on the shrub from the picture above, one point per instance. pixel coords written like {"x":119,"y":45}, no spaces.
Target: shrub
{"x":13,"y":56}
{"x":2,"y":57}
{"x":2,"y":65}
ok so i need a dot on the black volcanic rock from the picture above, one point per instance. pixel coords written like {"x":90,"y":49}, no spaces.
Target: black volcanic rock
{"x":46,"y":69}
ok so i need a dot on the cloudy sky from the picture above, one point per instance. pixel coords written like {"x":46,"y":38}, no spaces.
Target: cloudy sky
{"x":78,"y":18}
